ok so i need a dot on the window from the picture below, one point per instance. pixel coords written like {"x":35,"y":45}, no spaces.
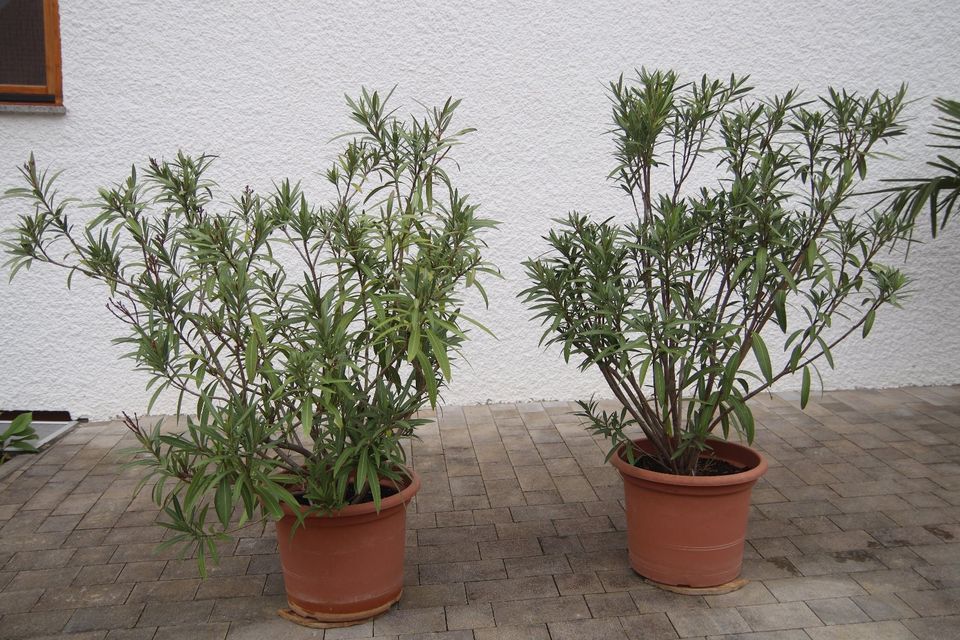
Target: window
{"x":30,"y":52}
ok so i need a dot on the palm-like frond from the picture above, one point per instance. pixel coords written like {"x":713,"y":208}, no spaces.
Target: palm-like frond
{"x":940,"y":192}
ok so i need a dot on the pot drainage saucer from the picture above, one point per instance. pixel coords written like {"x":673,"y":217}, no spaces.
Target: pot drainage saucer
{"x":720,"y":589}
{"x":337,"y":620}
{"x":313,"y":623}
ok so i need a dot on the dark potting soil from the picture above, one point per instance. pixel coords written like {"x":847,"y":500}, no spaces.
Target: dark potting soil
{"x":385,"y":492}
{"x":705,"y":466}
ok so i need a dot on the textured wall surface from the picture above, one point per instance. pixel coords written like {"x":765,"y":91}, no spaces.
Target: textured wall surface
{"x":262,"y":84}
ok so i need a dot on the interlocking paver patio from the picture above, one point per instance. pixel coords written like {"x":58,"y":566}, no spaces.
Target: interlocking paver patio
{"x":518,"y":532}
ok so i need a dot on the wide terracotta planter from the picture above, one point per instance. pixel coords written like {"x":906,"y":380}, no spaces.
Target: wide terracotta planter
{"x":346,"y":566}
{"x":689,"y":531}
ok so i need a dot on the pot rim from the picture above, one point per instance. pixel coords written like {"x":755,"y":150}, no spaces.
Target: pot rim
{"x":749,"y":476}
{"x":396,"y":500}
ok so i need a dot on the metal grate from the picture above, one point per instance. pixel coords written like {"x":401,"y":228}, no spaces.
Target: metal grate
{"x":46,"y":431}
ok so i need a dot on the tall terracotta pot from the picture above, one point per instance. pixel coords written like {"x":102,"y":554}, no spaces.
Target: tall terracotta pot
{"x":689,"y":530}
{"x":346,"y":566}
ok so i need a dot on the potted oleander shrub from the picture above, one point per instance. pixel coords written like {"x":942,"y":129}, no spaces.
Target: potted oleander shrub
{"x":709,"y":294}
{"x":301,"y":340}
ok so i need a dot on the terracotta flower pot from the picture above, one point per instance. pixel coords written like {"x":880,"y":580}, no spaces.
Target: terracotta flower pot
{"x":689,"y":531}
{"x":346,"y":566}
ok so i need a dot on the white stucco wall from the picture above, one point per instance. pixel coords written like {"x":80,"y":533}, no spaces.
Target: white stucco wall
{"x":261,"y":85}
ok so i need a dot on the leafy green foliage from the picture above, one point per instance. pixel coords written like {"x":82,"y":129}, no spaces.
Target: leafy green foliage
{"x":671,"y":307}
{"x":302,"y":339}
{"x":18,"y":437}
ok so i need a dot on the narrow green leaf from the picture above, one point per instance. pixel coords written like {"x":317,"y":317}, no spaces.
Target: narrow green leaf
{"x":780,"y":308}
{"x":868,"y":322}
{"x":223,"y":501}
{"x":306,"y":415}
{"x":413,"y":344}
{"x":251,"y":356}
{"x":439,"y":351}
{"x":763,"y":357}
{"x":805,"y":388}
{"x":744,"y":417}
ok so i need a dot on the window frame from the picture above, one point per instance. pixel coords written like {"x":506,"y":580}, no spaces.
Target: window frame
{"x":20,"y":94}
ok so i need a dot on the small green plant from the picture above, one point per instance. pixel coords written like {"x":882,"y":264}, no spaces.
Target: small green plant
{"x":302,"y":340}
{"x":676,"y":309}
{"x":18,"y":437}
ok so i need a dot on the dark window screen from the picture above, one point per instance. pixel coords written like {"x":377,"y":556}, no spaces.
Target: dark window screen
{"x":22,"y":57}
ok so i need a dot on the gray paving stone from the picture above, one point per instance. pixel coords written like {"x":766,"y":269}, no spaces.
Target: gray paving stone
{"x":837,"y":541}
{"x":363,"y":630}
{"x":104,"y":617}
{"x":793,"y":589}
{"x":783,"y":510}
{"x":434,"y":595}
{"x":19,"y":601}
{"x":883,"y":607}
{"x":461,"y":634}
{"x":648,"y":626}
{"x":608,"y":605}
{"x":891,"y":581}
{"x":470,"y":616}
{"x":933,"y":603}
{"x":42,"y":578}
{"x":164,"y":591}
{"x":943,"y":576}
{"x":578,"y":583}
{"x":229,"y":566}
{"x":653,"y":600}
{"x":98,"y":574}
{"x":536,"y":566}
{"x":866,"y":521}
{"x":456,"y":535}
{"x":768,"y":569}
{"x":143,"y":633}
{"x":703,"y":622}
{"x":24,"y":625}
{"x":398,"y":621}
{"x":443,"y":553}
{"x":45,"y":559}
{"x":904,"y":536}
{"x":540,"y":610}
{"x":216,"y":631}
{"x":156,"y":614}
{"x":231,"y":587}
{"x":837,"y":611}
{"x":448,"y":572}
{"x":513,"y":632}
{"x":899,"y":558}
{"x":141,"y":571}
{"x":604,"y":560}
{"x":818,"y":564}
{"x":886,"y":504}
{"x":511,"y":589}
{"x":939,"y":553}
{"x":99,"y":595}
{"x":772,"y":617}
{"x":938,"y":628}
{"x":750,"y":594}
{"x":245,"y":608}
{"x":784,"y":634}
{"x":864,"y":631}
{"x":607,"y":629}
{"x":276,"y":628}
